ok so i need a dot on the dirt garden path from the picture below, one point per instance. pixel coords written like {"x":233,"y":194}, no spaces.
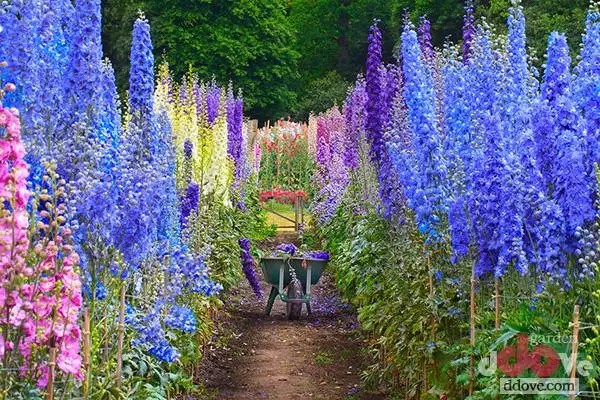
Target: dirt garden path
{"x":254,"y":356}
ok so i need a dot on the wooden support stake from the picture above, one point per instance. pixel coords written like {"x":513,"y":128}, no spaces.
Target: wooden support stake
{"x":497,"y":301}
{"x":574,"y":347}
{"x":297,"y":215}
{"x":51,"y":366}
{"x":121,"y":330}
{"x":85,"y":389}
{"x":472,"y":335}
{"x":302,"y":210}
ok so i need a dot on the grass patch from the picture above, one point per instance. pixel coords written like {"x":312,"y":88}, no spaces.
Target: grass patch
{"x":323,"y":358}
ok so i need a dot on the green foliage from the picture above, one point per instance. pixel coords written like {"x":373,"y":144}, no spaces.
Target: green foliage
{"x":321,"y":93}
{"x":323,"y":358}
{"x":298,"y":56}
{"x":543,"y":17}
{"x":247,"y":42}
{"x":417,"y":336}
{"x":286,"y":162}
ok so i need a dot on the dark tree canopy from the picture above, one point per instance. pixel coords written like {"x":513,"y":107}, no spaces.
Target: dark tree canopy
{"x":297,"y":56}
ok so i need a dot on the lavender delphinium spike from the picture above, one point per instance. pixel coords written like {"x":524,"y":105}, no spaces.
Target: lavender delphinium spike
{"x":354,"y":113}
{"x":213,"y":103}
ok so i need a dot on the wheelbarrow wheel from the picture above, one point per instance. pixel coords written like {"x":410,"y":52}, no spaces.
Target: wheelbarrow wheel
{"x":294,"y":308}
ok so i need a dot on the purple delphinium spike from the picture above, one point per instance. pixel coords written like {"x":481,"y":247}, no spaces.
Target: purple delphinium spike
{"x":354,"y":113}
{"x":468,"y":30}
{"x":213,"y":103}
{"x":189,"y":203}
{"x":188,"y":147}
{"x":248,"y":267}
{"x":375,"y":94}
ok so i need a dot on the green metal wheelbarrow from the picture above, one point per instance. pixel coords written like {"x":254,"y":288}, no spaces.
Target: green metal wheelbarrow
{"x":277,"y":273}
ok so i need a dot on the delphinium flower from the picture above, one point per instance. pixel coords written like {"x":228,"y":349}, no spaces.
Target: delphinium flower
{"x":136,"y":228}
{"x":512,"y":210}
{"x":151,"y":335}
{"x":256,"y":158}
{"x":235,"y":142}
{"x":318,"y":255}
{"x":85,"y":65}
{"x":110,"y":113}
{"x":390,"y":188}
{"x":54,"y":48}
{"x":517,"y":104}
{"x":431,"y":181}
{"x":468,"y":30}
{"x":141,"y":81}
{"x":354,"y":113}
{"x":569,"y":185}
{"x":457,"y":113}
{"x":323,"y":151}
{"x":189,"y":199}
{"x":288,"y":248}
{"x":486,"y":180}
{"x":191,"y":273}
{"x":248,"y":267}
{"x":425,"y":43}
{"x":542,"y":219}
{"x":181,"y":318}
{"x":19,"y":48}
{"x":399,"y":146}
{"x":586,"y":84}
{"x":213,"y":102}
{"x":189,"y":203}
{"x":588,"y":239}
{"x":167,"y":200}
{"x":332,"y":174}
{"x":375,"y":94}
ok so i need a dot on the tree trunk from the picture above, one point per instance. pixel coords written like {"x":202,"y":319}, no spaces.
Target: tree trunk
{"x":342,"y":40}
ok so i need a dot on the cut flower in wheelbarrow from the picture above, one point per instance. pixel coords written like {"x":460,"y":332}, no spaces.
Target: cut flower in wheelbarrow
{"x":290,"y":250}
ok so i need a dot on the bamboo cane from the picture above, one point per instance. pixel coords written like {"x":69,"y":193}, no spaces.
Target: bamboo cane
{"x":86,"y":353}
{"x":121,"y":330}
{"x":51,"y":365}
{"x":497,"y":301}
{"x":472,"y":335}
{"x":574,"y":346}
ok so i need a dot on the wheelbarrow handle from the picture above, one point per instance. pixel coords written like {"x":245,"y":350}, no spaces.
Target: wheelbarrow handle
{"x":281,"y":274}
{"x":308,"y":279}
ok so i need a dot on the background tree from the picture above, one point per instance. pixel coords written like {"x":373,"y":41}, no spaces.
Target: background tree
{"x":292,"y":57}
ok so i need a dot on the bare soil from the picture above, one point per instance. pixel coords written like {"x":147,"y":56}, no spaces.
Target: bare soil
{"x":254,"y":356}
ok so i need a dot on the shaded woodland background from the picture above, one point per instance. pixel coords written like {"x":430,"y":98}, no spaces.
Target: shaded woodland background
{"x":291,"y":57}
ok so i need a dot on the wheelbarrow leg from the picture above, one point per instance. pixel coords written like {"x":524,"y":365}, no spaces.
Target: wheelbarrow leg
{"x":272,"y":296}
{"x":308,"y":310}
